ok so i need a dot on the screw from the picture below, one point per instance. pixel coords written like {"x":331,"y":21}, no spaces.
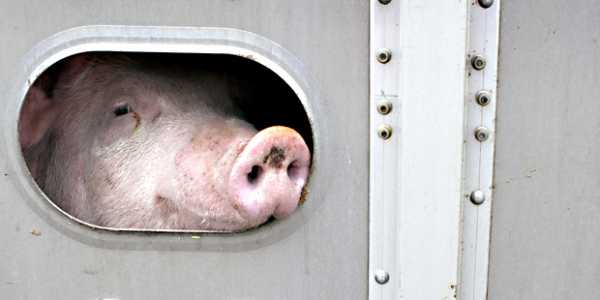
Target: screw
{"x":486,"y":3}
{"x":384,"y":55}
{"x":384,"y":131}
{"x":385,"y":2}
{"x":381,"y":276}
{"x":384,"y":108}
{"x":478,"y":62}
{"x":477,"y":197}
{"x":482,"y":134}
{"x":483,"y":97}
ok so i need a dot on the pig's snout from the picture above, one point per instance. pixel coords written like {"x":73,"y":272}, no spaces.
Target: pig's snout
{"x":269,"y":174}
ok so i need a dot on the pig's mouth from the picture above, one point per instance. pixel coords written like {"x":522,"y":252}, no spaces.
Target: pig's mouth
{"x":175,"y":215}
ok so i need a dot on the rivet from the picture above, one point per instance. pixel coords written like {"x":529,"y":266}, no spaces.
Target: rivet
{"x":486,"y":3}
{"x":384,"y":107}
{"x":381,"y":276}
{"x":478,"y":62}
{"x":482,"y":134}
{"x":384,"y":131}
{"x":483,"y":97}
{"x":384,"y":55}
{"x":477,"y":197}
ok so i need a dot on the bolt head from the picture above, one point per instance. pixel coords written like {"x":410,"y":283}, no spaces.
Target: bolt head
{"x":384,"y":131}
{"x":477,"y":197}
{"x":384,"y":55}
{"x":483,"y":97}
{"x":384,"y":108}
{"x":482,"y":134}
{"x":478,"y":62}
{"x":381,"y":276}
{"x":486,"y":3}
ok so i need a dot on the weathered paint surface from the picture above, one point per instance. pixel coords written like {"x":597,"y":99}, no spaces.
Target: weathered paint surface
{"x":545,"y":219}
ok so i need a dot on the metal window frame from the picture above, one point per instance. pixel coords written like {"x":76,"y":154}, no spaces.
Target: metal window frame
{"x":161,"y":39}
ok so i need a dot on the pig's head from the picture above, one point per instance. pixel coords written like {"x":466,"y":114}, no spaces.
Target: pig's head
{"x":129,"y":143}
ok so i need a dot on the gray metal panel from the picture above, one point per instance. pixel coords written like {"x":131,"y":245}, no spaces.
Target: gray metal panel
{"x":324,"y":259}
{"x":546,"y":215}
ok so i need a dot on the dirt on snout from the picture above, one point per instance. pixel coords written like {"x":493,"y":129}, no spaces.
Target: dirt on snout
{"x":275,"y":157}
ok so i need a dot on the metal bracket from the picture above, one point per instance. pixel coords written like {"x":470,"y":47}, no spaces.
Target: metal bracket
{"x":480,"y":104}
{"x":416,"y":147}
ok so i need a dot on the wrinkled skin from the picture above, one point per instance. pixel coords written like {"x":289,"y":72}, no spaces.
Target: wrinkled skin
{"x":123,"y":143}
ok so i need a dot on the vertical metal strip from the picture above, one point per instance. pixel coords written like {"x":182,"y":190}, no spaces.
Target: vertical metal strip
{"x":384,"y":186}
{"x":416,"y":174}
{"x":479,"y":155}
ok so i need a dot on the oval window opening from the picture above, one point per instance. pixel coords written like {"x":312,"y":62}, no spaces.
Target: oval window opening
{"x":155,"y":141}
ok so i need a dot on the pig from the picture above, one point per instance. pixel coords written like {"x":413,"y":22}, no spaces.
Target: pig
{"x":130,"y":141}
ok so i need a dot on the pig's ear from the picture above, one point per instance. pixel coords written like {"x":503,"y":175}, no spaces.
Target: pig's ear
{"x":39,"y":109}
{"x":37,"y":114}
{"x":69,"y":70}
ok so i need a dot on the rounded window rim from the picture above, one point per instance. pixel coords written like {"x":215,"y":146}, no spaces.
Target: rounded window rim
{"x":149,"y":39}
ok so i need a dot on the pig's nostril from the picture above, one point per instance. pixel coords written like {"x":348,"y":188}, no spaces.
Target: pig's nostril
{"x":254,"y":174}
{"x":293,"y":170}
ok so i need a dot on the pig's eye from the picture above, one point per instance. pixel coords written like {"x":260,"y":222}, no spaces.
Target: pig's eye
{"x":122,"y":109}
